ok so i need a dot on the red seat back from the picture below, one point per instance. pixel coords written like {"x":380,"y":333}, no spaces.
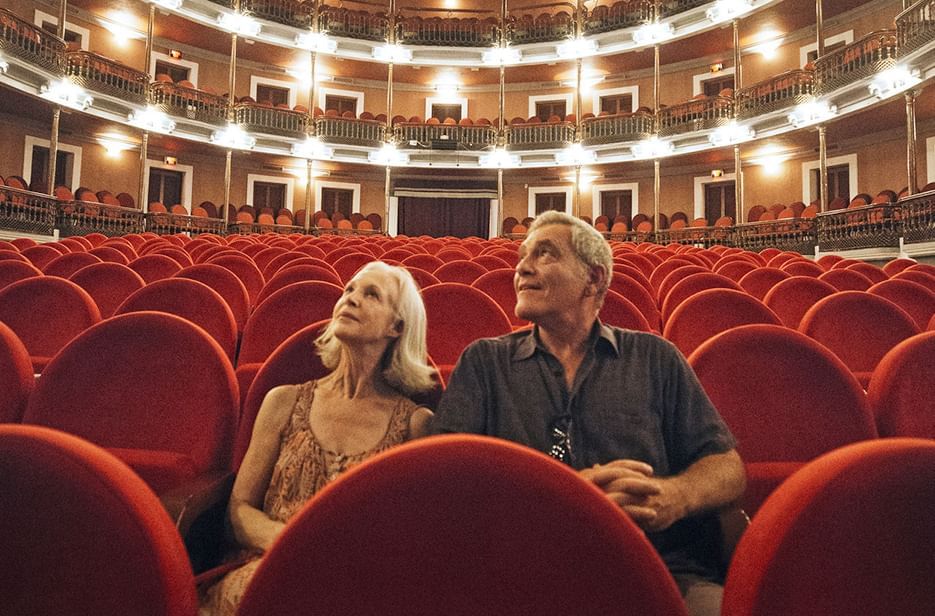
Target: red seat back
{"x":16,"y":376}
{"x":902,"y":407}
{"x":711,"y":312}
{"x":110,"y":284}
{"x":397,"y":522}
{"x":82,"y":534}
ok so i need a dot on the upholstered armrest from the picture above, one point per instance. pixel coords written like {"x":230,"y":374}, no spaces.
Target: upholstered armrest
{"x":197,"y":508}
{"x":734,"y":521}
{"x":187,"y":502}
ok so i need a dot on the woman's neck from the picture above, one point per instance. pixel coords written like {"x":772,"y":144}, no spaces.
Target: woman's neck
{"x":358,"y":375}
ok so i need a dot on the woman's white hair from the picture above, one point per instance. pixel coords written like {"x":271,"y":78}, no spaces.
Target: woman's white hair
{"x":590,"y":246}
{"x":405,"y":366}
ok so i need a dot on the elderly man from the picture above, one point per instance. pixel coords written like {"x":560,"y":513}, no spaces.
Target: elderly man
{"x":621,"y":407}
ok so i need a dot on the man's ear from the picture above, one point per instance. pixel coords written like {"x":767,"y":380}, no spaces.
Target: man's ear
{"x":597,"y":278}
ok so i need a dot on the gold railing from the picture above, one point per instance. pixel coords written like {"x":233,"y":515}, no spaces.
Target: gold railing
{"x":797,"y":234}
{"x":165,"y":223}
{"x":557,"y":23}
{"x":22,"y":39}
{"x":26,"y":211}
{"x":83,"y":217}
{"x":700,"y":114}
{"x":359,"y":24}
{"x":348,"y":130}
{"x":188,"y":103}
{"x":785,"y":90}
{"x":915,"y":26}
{"x":619,"y":15}
{"x":448,"y":31}
{"x":544,"y":135}
{"x":95,"y":72}
{"x":674,"y":7}
{"x":444,"y":136}
{"x":272,"y":120}
{"x":868,"y":226}
{"x":918,"y":217}
{"x":861,"y":59}
{"x":616,"y":128}
{"x":288,"y":12}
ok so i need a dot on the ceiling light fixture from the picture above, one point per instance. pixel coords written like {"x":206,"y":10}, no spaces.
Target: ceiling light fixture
{"x":894,"y":80}
{"x":499,"y":56}
{"x":650,"y":34}
{"x":575,"y":155}
{"x":812,"y":112}
{"x":388,"y":156}
{"x":151,"y":119}
{"x":316,"y":41}
{"x":392,"y":53}
{"x":654,"y":147}
{"x":312,"y":148}
{"x":67,"y":93}
{"x":724,"y":10}
{"x":499,"y":158}
{"x":233,"y":137}
{"x":238,"y":23}
{"x":576,"y":48}
{"x":731,"y":133}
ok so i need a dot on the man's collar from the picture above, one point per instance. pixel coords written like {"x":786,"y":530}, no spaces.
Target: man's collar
{"x":601,"y":336}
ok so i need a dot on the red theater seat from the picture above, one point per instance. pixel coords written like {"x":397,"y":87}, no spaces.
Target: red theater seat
{"x":226,"y":284}
{"x":46,"y":312}
{"x":850,"y":533}
{"x":785,"y":397}
{"x":859,"y":328}
{"x":898,"y":391}
{"x":153,"y":388}
{"x":109,"y":284}
{"x":81,"y":533}
{"x":396,"y":521}
{"x":16,"y":376}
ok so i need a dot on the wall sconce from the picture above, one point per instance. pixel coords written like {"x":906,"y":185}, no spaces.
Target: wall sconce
{"x":812,"y":112}
{"x":67,"y":93}
{"x":238,"y":23}
{"x":151,"y":119}
{"x":716,"y":67}
{"x":649,"y":34}
{"x":893,"y":80}
{"x":716,"y":173}
{"x":652,"y":148}
{"x":312,"y":148}
{"x":175,"y":54}
{"x":170,"y":160}
{"x":233,"y":137}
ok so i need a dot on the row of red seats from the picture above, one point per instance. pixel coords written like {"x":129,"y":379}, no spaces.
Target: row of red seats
{"x":124,"y":556}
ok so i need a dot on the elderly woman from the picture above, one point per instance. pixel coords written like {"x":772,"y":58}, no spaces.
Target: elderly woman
{"x":307,"y":435}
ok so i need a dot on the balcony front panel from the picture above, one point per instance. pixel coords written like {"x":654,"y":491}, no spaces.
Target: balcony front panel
{"x":448,"y":32}
{"x":619,"y":15}
{"x":26,"y":211}
{"x":918,"y":218}
{"x":99,"y":74}
{"x":860,"y":60}
{"x":696,"y":115}
{"x":189,"y":103}
{"x":271,"y":120}
{"x":779,"y":92}
{"x":915,"y":27}
{"x":82,"y":217}
{"x":23,"y":40}
{"x":339,"y":21}
{"x":869,"y":226}
{"x":795,"y":234}
{"x":286,"y":12}
{"x":616,"y":128}
{"x":539,"y":136}
{"x":352,"y":131}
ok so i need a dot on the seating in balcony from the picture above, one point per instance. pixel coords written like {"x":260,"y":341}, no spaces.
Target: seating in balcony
{"x":871,"y":54}
{"x":264,"y":117}
{"x":359,"y":24}
{"x":533,"y":133}
{"x":700,"y":113}
{"x":332,"y":127}
{"x":21,"y":39}
{"x":183,"y":99}
{"x":101,"y":74}
{"x":448,"y":31}
{"x":619,"y":15}
{"x":287,"y":12}
{"x":447,"y":134}
{"x":617,"y":127}
{"x":527,"y":28}
{"x":779,"y":92}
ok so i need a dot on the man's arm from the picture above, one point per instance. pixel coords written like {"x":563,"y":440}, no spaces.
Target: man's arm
{"x":656,"y":503}
{"x":463,"y":403}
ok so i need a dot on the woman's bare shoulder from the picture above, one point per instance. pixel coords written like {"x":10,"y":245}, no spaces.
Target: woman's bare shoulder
{"x":419,"y":422}
{"x":277,"y":406}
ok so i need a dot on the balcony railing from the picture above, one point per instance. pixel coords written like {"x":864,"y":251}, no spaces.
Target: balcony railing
{"x":868,"y":226}
{"x":288,"y":12}
{"x":918,"y":218}
{"x":165,"y":223}
{"x":82,"y":217}
{"x":779,"y":92}
{"x":26,"y":211}
{"x":619,"y":15}
{"x":246,"y":228}
{"x":445,"y":136}
{"x":259,"y":118}
{"x":616,"y":128}
{"x":859,"y":60}
{"x":544,"y":135}
{"x":553,"y":26}
{"x":188,"y":103}
{"x":703,"y":236}
{"x":915,"y":26}
{"x":674,"y":7}
{"x":354,"y":131}
{"x":795,"y":234}
{"x":23,"y":40}
{"x":100,"y":74}
{"x":359,"y":24}
{"x":448,"y":31}
{"x":693,"y":115}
